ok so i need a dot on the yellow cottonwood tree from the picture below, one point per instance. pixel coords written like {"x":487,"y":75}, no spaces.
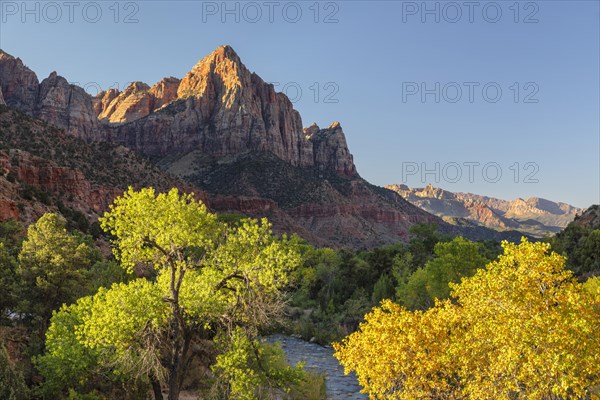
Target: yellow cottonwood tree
{"x":522,"y":328}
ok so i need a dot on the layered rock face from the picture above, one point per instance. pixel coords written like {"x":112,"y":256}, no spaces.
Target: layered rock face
{"x":330,"y":150}
{"x":54,"y":100}
{"x":534,"y":215}
{"x":66,"y":106}
{"x":18,"y":83}
{"x":137,"y":101}
{"x":42,"y":166}
{"x":219,"y":108}
{"x":51,"y":178}
{"x":223,"y":109}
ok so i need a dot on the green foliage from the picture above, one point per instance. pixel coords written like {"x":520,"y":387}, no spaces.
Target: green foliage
{"x":414,"y":294}
{"x":105,"y":273}
{"x":581,"y":245}
{"x":72,"y":369}
{"x":75,"y":219}
{"x":383,"y":289}
{"x":74,"y":395}
{"x":53,"y":266}
{"x":423,"y":238}
{"x":12,"y":234}
{"x":150,"y":227}
{"x":231,"y":218}
{"x":336,"y":288}
{"x":67,"y":364}
{"x":451,"y":262}
{"x":211,"y":280}
{"x":404,"y":266}
{"x":120,"y":324}
{"x":8,"y":284}
{"x":311,"y":387}
{"x":12,"y":384}
{"x":254,"y":370}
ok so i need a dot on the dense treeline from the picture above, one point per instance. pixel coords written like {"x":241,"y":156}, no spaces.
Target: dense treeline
{"x":580,"y":243}
{"x":184,"y":296}
{"x":335,"y":289}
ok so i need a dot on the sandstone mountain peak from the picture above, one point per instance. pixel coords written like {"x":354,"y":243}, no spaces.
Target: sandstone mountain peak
{"x":18,"y":83}
{"x":137,"y":87}
{"x":219,"y":109}
{"x":5,"y":55}
{"x":224,"y":52}
{"x":222,"y":59}
{"x":221,"y":70}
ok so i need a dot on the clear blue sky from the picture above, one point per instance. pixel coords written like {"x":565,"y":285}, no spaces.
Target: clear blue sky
{"x":374,"y":54}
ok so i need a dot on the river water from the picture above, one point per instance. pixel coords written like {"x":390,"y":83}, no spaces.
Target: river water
{"x":320,"y":359}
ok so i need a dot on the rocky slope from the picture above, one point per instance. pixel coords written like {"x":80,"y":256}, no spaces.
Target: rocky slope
{"x":590,"y":217}
{"x":534,"y":216}
{"x":226,"y":131}
{"x":44,"y":169}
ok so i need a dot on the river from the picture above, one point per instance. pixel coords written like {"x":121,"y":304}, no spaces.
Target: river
{"x":320,"y":359}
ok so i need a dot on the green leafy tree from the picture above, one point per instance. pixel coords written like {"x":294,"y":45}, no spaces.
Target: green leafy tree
{"x":8,"y":284}
{"x":12,"y":234}
{"x":67,"y":363}
{"x":210,"y":279}
{"x":587,"y":255}
{"x":414,"y":294}
{"x":53,"y":268}
{"x":403,"y":267}
{"x":581,"y":245}
{"x":452,"y":261}
{"x":12,"y":384}
{"x":252,"y":369}
{"x":423,"y":238}
{"x":383,"y":289}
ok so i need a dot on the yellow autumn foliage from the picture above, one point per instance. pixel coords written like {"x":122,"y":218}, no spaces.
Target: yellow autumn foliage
{"x":522,"y":328}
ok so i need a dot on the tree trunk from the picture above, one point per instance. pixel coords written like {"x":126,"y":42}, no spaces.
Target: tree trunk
{"x":174,"y":383}
{"x":179,"y":338}
{"x":156,"y":388}
{"x":175,"y":364}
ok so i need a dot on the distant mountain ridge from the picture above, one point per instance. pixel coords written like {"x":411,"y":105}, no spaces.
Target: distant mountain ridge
{"x":535,"y":216}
